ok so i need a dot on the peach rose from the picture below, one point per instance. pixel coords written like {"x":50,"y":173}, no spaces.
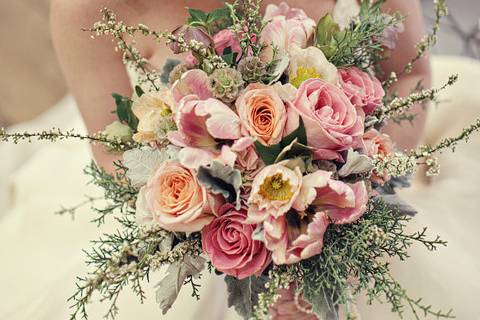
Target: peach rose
{"x":262,"y":113}
{"x":229,"y":244}
{"x":174,"y":199}
{"x":381,"y":145}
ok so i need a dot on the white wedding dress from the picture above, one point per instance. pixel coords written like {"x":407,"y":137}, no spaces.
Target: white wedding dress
{"x":41,"y":253}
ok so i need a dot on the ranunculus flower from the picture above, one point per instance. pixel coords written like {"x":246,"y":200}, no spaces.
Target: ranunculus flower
{"x":228,"y":242}
{"x":363,"y":90}
{"x":192,"y":82}
{"x":333,"y":124}
{"x":262,"y":113}
{"x":291,"y":307}
{"x":381,"y":145}
{"x":189,"y":33}
{"x":310,"y":63}
{"x":286,"y":27}
{"x":151,"y":109}
{"x":273,"y":192}
{"x":174,"y":200}
{"x":342,"y":202}
{"x":224,"y":39}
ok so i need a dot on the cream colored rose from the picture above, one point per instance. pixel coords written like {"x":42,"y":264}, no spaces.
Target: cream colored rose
{"x":152,"y":110}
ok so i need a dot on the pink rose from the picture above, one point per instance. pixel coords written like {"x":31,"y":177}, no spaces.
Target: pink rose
{"x":332,"y":122}
{"x":247,"y":157}
{"x":224,"y":39}
{"x":363,"y":90}
{"x":286,"y":27}
{"x":228,"y":242}
{"x":378,"y":144}
{"x":291,"y":306}
{"x":262,"y":113}
{"x":174,"y":199}
{"x":274,"y":190}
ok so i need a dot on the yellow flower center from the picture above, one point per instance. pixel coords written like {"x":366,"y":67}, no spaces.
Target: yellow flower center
{"x":302,"y":75}
{"x":275,"y":188}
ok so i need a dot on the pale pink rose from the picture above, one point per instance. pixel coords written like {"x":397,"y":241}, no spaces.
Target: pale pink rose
{"x":332,"y":122}
{"x":273,"y":192}
{"x":224,"y":39}
{"x":201,"y":122}
{"x":291,"y":306}
{"x":295,"y":236}
{"x":363,"y":90}
{"x":192,"y":82}
{"x":286,"y":27}
{"x":174,"y":199}
{"x":262,"y":113}
{"x":381,"y":145}
{"x":228,"y":242}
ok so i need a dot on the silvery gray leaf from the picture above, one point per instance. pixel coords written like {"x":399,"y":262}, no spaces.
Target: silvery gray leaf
{"x":403,"y":207}
{"x":278,"y":69}
{"x":370,"y":121}
{"x":322,"y":304}
{"x":169,"y":65}
{"x":243,"y":294}
{"x":222,"y":179}
{"x":392,"y":184}
{"x":142,"y":162}
{"x":356,"y":163}
{"x":169,"y":287}
{"x":259,"y":234}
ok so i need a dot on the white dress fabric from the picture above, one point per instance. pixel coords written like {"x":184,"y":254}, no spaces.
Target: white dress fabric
{"x":41,"y":252}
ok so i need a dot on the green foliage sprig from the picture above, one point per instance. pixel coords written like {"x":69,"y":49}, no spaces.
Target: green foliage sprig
{"x":358,"y":251}
{"x":55,"y":135}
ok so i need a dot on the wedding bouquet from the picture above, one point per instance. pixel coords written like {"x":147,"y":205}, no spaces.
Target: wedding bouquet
{"x":260,"y":157}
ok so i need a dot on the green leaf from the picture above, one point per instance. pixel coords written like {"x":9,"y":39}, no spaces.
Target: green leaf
{"x":124,"y":111}
{"x":197,"y":15}
{"x":326,"y":29}
{"x":139,"y":91}
{"x":219,"y":19}
{"x":270,"y":154}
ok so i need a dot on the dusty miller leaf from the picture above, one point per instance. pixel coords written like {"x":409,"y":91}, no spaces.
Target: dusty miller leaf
{"x":143,"y":162}
{"x":403,"y":207}
{"x":322,"y":304}
{"x":169,"y":287}
{"x":356,"y":163}
{"x":222,"y":179}
{"x":243,"y":294}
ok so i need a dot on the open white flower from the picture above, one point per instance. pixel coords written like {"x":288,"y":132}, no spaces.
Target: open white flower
{"x":310,"y":63}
